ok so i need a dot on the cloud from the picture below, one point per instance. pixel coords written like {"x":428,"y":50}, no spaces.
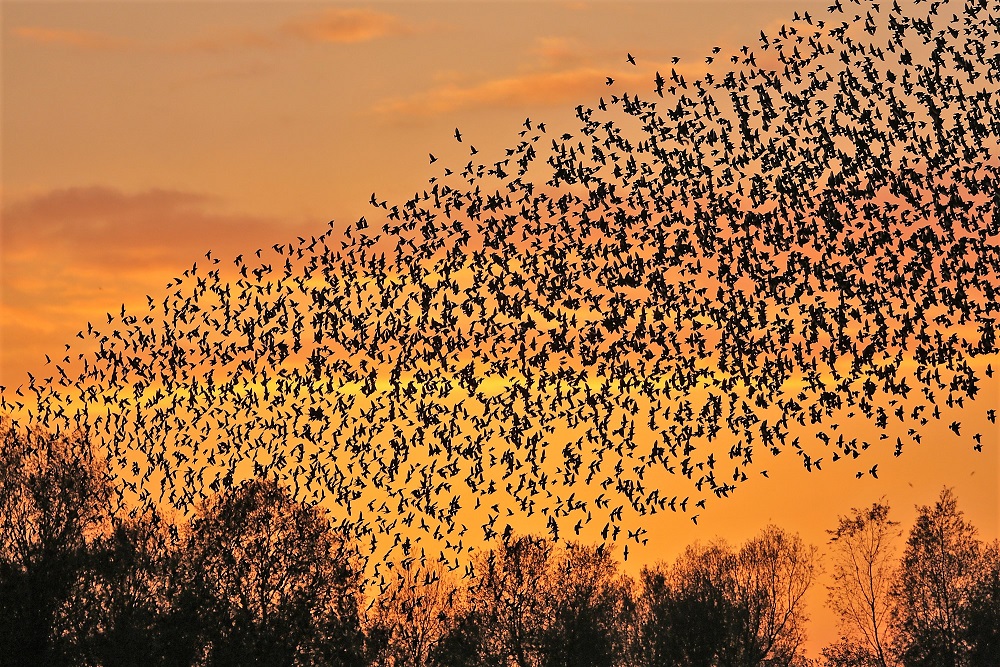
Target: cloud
{"x":560,"y":52}
{"x":72,"y":254}
{"x":77,"y":39}
{"x":538,"y":88}
{"x":336,"y":26}
{"x":100,"y":230}
{"x":344,"y":26}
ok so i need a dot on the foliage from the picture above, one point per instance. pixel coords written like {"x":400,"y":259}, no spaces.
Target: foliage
{"x":720,"y":606}
{"x":268,"y":581}
{"x":937,"y":577}
{"x":53,"y":501}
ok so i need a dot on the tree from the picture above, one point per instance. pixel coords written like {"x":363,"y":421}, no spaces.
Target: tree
{"x":847,"y":652}
{"x":688,"y":613}
{"x":935,"y":586}
{"x":590,"y":602}
{"x":774,"y":570}
{"x":862,"y":554}
{"x":416,"y":615}
{"x":462,"y":644}
{"x":983,"y":632}
{"x":54,"y":495}
{"x":535,"y":605}
{"x":718,"y":606}
{"x":268,"y":581}
{"x":511,"y":600}
{"x":119,"y":613}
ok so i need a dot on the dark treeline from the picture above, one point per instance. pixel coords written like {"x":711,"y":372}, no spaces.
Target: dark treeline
{"x":256,"y":577}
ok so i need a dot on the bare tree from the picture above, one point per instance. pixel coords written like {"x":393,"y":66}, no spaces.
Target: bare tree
{"x":774,"y":570}
{"x":863,"y":559}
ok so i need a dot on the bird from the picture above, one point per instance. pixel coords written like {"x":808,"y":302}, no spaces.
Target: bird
{"x":684,"y":277}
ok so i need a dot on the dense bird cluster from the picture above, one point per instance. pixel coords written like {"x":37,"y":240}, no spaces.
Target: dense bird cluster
{"x":599,"y":325}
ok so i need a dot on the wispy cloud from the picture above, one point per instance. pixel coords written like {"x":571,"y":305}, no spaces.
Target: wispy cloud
{"x":107,"y":230}
{"x":222,"y":41}
{"x":544,"y":88}
{"x":83,"y":40}
{"x":345,"y":26}
{"x":71,"y":253}
{"x":561,"y":52}
{"x":331,"y":26}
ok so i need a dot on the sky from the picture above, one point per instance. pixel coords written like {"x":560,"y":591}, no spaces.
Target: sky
{"x":137,"y":136}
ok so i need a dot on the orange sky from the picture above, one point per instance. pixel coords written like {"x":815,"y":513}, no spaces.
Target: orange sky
{"x":137,"y":136}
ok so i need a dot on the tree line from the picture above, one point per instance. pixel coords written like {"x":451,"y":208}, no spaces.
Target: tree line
{"x":256,"y":577}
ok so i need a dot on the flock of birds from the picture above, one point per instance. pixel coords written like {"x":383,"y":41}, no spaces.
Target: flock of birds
{"x":599,"y":325}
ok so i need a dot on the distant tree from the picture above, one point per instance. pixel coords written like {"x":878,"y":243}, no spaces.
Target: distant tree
{"x":720,"y":607}
{"x":414,"y":616}
{"x":863,"y":561}
{"x":535,"y":605}
{"x":937,"y":579}
{"x":266,"y":580}
{"x":983,"y":632}
{"x":54,"y":496}
{"x":119,"y":613}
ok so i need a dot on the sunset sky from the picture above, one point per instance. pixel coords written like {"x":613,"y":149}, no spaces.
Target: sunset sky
{"x":137,"y":136}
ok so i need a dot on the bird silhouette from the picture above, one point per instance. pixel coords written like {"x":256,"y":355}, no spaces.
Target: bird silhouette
{"x":593,"y":322}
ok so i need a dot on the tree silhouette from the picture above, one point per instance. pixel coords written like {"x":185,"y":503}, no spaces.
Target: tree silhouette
{"x":120,"y":612}
{"x":415,"y":616}
{"x":983,"y":633}
{"x":863,"y":560}
{"x":53,"y":500}
{"x":719,"y":606}
{"x":688,"y":613}
{"x":590,"y":604}
{"x":512,"y":602}
{"x":268,"y":581}
{"x":534,"y":604}
{"x":937,"y":578}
